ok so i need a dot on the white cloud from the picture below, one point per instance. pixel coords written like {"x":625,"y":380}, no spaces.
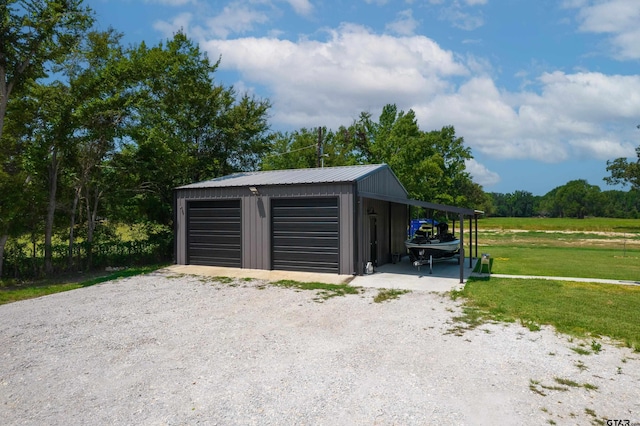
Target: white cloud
{"x":619,"y":18}
{"x":330,"y":81}
{"x":324,"y":82}
{"x":179,"y":23}
{"x":301,"y":7}
{"x":602,"y":148}
{"x":586,"y":115}
{"x":235,"y":18}
{"x":458,"y":13}
{"x":480,"y":174}
{"x":404,"y":24}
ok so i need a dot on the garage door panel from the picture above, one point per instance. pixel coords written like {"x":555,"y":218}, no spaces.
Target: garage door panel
{"x":313,"y":256}
{"x":214,"y":233}
{"x":305,"y":234}
{"x":307,"y":266}
{"x":306,"y":212}
{"x":199,"y":236}
{"x":318,"y":243}
{"x":302,"y":227}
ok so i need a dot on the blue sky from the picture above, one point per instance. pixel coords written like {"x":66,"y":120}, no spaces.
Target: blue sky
{"x":543,"y":91}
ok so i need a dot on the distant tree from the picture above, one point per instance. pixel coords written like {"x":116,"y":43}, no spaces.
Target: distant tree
{"x":624,"y":172}
{"x":517,"y":204}
{"x":574,"y":199}
{"x":622,"y":204}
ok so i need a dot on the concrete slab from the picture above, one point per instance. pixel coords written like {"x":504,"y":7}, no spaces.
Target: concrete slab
{"x":403,"y":275}
{"x":261,"y":274}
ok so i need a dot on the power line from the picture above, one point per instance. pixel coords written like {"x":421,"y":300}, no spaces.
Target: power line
{"x":289,"y":152}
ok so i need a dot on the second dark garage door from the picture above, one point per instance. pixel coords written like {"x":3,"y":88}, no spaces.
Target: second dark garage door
{"x":305,"y":234}
{"x":214,"y":233}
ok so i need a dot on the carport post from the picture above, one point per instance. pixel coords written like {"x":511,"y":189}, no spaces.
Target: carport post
{"x":461,"y":248}
{"x":471,"y":242}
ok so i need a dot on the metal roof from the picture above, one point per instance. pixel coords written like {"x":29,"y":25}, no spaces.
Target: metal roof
{"x":425,"y":204}
{"x":291,"y":177}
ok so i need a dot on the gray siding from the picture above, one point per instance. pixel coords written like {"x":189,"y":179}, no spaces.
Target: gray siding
{"x":256,"y":220}
{"x":383,"y":182}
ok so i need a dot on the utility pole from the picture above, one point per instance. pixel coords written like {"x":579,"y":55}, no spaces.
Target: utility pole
{"x":319,"y":154}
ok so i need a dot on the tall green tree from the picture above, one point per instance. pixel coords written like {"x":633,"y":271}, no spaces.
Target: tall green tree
{"x":100,"y":86}
{"x":186,"y":128}
{"x":309,"y":148}
{"x":430,"y":165}
{"x":294,"y":150}
{"x":34,"y":36}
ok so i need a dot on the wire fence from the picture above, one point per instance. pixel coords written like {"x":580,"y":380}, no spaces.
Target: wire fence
{"x":26,"y":261}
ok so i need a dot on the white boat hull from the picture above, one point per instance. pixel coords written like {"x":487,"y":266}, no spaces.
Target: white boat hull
{"x":436,"y":249}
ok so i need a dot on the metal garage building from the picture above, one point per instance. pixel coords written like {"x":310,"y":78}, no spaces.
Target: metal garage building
{"x":333,"y":219}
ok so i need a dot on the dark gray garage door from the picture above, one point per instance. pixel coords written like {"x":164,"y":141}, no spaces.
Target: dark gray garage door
{"x":305,"y":234}
{"x":214,"y":233}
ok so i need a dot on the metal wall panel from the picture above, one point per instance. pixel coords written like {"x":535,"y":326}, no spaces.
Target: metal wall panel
{"x":382,"y":182}
{"x":306,"y":234}
{"x":256,"y":219}
{"x":214,"y":233}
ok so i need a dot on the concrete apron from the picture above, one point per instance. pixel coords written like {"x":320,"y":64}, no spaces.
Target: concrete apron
{"x":259,"y":274}
{"x":402,"y":275}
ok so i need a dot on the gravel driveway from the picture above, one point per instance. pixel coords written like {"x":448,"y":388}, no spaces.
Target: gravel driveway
{"x":161,"y":349}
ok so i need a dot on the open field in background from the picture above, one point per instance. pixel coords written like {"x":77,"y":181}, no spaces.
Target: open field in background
{"x":592,"y":224}
{"x":579,"y":262}
{"x":582,"y":248}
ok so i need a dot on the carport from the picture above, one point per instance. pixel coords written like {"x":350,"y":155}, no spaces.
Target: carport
{"x":460,"y":211}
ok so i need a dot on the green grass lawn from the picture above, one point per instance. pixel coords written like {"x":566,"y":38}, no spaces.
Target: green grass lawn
{"x":583,"y":262}
{"x":582,"y":248}
{"x":579,"y":309}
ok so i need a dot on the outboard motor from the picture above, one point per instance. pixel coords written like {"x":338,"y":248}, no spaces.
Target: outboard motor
{"x":442,"y":229}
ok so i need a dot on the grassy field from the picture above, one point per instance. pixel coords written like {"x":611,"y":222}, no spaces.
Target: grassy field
{"x":581,"y":248}
{"x":579,"y":309}
{"x":594,"y":224}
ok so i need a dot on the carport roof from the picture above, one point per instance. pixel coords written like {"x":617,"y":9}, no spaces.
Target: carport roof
{"x":419,"y":203}
{"x":291,"y":177}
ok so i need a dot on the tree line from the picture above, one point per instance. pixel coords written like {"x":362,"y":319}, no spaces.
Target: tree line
{"x":576,"y":199}
{"x":95,"y":134}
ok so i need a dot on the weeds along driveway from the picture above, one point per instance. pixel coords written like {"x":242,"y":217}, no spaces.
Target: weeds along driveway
{"x":158,"y":349}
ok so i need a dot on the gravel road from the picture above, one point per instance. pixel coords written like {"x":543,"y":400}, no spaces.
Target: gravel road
{"x":182,"y":350}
